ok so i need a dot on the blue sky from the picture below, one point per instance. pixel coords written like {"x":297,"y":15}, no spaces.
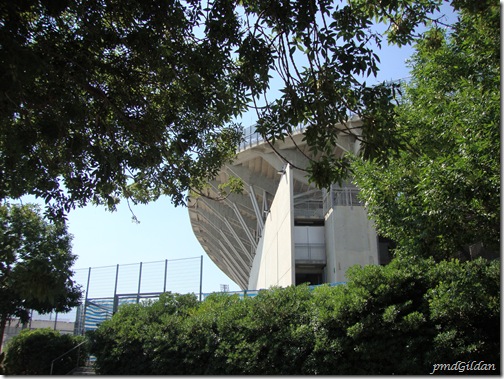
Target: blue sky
{"x":102,"y":238}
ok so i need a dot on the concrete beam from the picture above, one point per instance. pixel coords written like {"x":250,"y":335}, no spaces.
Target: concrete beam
{"x":224,"y":215}
{"x":250,"y":177}
{"x":218,"y":223}
{"x":244,"y":226}
{"x":234,"y":272}
{"x":231,"y":255}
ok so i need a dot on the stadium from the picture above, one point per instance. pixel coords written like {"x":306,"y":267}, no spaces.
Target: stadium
{"x":282,"y":230}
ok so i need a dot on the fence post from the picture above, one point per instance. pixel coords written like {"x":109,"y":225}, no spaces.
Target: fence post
{"x":201,"y":279}
{"x":116,"y":279}
{"x":85,"y":303}
{"x":165,"y":274}
{"x":139,"y":283}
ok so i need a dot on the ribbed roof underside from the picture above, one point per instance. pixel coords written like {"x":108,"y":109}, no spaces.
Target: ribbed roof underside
{"x":229,"y":229}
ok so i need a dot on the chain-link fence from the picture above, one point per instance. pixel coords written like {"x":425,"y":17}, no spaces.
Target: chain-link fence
{"x":178,"y":275}
{"x":106,"y":288}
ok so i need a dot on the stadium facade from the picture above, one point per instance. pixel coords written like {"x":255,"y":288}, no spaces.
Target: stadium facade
{"x":282,"y":230}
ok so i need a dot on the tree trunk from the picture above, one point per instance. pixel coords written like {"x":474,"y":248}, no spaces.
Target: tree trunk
{"x":3,"y":322}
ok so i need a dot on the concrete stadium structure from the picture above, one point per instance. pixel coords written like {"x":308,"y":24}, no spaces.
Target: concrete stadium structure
{"x":282,"y":230}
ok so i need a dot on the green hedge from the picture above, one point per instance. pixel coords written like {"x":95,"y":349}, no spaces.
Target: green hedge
{"x":32,"y":351}
{"x":399,"y":319}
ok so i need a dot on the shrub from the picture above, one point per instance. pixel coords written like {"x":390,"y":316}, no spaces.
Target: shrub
{"x":269,"y":334}
{"x":399,"y":319}
{"x":32,"y":351}
{"x":142,"y":338}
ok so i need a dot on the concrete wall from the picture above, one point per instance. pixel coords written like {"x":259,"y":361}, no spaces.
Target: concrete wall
{"x":253,"y":283}
{"x":14,"y":327}
{"x":274,"y":261}
{"x":309,"y":244}
{"x":350,"y":239}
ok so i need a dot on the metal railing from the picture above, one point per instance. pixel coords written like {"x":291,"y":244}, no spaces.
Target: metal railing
{"x":341,"y":196}
{"x":252,"y":138}
{"x":309,"y":209}
{"x":66,"y":353}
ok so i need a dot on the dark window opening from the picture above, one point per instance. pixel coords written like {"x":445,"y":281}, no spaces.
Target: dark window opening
{"x":385,"y":245}
{"x":308,"y":222}
{"x":310,"y":278}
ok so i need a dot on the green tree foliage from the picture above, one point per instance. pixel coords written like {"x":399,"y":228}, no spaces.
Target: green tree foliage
{"x":32,"y":351}
{"x":404,"y":317}
{"x":140,"y":336}
{"x":440,"y":195}
{"x":397,"y":319}
{"x":104,"y":99}
{"x":35,"y":265}
{"x":268,"y":334}
{"x":188,"y":342}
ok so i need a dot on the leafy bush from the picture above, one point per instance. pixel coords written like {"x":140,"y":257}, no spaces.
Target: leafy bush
{"x":404,"y":317}
{"x":397,"y":319}
{"x":268,"y":334}
{"x":32,"y":351}
{"x":129,"y":343}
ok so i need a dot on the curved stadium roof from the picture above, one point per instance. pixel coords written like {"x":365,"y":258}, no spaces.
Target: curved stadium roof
{"x":229,"y":229}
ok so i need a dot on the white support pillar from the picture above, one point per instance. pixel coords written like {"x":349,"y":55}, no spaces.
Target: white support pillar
{"x":232,"y":268}
{"x":240,"y":243}
{"x":265,"y":206}
{"x":258,"y":212}
{"x":237,"y":254}
{"x":244,"y":226}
